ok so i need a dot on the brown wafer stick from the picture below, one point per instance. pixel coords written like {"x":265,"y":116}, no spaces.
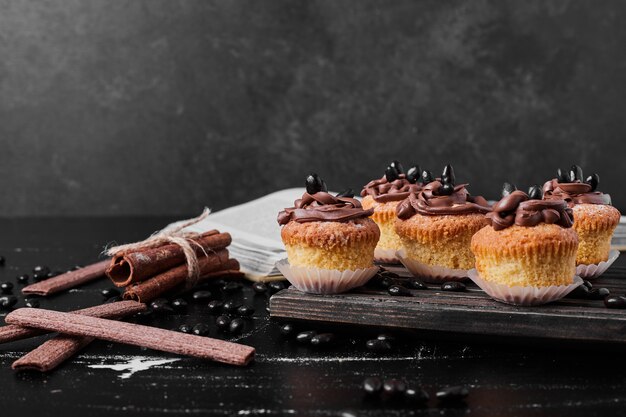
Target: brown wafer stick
{"x":54,"y":352}
{"x":150,"y":289}
{"x":68,"y":280}
{"x":133,"y":334}
{"x":11,"y":332}
{"x":131,"y":267}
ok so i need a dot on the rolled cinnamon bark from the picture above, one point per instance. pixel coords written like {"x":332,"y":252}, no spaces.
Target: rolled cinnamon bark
{"x":131,"y":267}
{"x":137,"y":265}
{"x":55,"y":351}
{"x":133,"y":334}
{"x":11,"y":332}
{"x":152,"y":288}
{"x":68,"y":280}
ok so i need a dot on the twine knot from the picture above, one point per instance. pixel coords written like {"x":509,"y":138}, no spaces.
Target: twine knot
{"x":172,"y":234}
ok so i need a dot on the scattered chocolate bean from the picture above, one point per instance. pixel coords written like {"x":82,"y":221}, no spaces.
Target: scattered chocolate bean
{"x":615,"y":301}
{"x":201,"y":329}
{"x":372,"y":385}
{"x":113,"y":299}
{"x":231,"y":306}
{"x":305,"y":337}
{"x":588,"y":284}
{"x":259,"y":287}
{"x":397,"y":290}
{"x":222,"y":322}
{"x":161,"y":305}
{"x":416,"y":284}
{"x":53,"y":274}
{"x":323,"y":339}
{"x":598,"y":293}
{"x":236,"y":326}
{"x":110,"y":292}
{"x":287,"y":329}
{"x":386,"y":336}
{"x":145,"y":314}
{"x":378,"y":345}
{"x":231,"y":287}
{"x":452,"y":394}
{"x":580,"y":292}
{"x":416,"y":396}
{"x":215,"y":306}
{"x":179,"y":304}
{"x":7,"y":302}
{"x":6,"y":287}
{"x":393,"y":387}
{"x":22,"y":279}
{"x":32,"y":303}
{"x":276,"y":286}
{"x":185,"y":328}
{"x":245,"y":310}
{"x":41,"y":269}
{"x":201,"y":295}
{"x":3,"y":261}
{"x":389,"y":274}
{"x":453,"y":286}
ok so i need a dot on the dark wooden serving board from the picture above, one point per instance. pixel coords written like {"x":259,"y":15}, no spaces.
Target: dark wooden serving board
{"x":471,"y":312}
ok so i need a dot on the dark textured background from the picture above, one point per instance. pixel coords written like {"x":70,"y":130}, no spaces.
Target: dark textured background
{"x":162,"y":107}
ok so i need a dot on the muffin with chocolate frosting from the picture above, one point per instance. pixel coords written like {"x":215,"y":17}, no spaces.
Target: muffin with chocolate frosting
{"x":436,"y":224}
{"x":328,"y":232}
{"x":595,"y":219}
{"x":529,"y":242}
{"x":383,"y":196}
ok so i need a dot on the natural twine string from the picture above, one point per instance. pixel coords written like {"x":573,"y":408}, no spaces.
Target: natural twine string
{"x":172,"y":234}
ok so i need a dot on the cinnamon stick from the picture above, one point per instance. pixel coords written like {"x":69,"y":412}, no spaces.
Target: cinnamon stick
{"x":11,"y":332}
{"x":152,"y":288}
{"x":55,"y":351}
{"x":133,"y":334}
{"x":131,"y":267}
{"x":68,"y":280}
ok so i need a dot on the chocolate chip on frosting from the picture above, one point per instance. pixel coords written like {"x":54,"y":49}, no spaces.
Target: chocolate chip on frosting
{"x":518,"y":209}
{"x":440,"y":197}
{"x":322,"y":206}
{"x":570,"y":187}
{"x":395,"y":185}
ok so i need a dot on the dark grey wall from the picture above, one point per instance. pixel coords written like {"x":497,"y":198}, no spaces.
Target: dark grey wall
{"x":162,"y":107}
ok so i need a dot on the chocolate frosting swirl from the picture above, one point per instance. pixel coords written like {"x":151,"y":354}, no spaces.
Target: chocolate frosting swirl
{"x":427,"y":202}
{"x":323,"y":207}
{"x":574,"y":193}
{"x":517,"y":209}
{"x":383,"y":191}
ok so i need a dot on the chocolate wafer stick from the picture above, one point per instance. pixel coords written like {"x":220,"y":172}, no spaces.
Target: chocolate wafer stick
{"x":68,"y":280}
{"x":11,"y":332}
{"x":54,"y":352}
{"x":133,"y":334}
{"x":128,"y":268}
{"x":152,"y":288}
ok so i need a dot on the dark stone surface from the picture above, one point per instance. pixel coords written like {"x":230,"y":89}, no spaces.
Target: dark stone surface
{"x":505,"y":377}
{"x":162,"y":107}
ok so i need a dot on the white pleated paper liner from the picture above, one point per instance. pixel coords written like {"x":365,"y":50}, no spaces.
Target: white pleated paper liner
{"x":592,"y":271}
{"x":431,"y":273}
{"x":386,"y":256}
{"x":523,"y":296}
{"x":324,"y":281}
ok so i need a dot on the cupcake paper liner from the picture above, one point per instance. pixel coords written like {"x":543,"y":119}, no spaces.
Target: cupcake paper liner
{"x":592,"y":271}
{"x":523,"y":296}
{"x":386,"y":256}
{"x":324,"y":281}
{"x":431,"y":273}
